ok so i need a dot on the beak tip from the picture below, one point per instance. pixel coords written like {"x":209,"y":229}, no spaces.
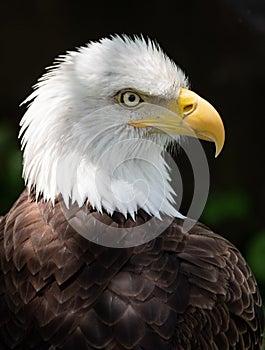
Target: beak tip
{"x":218,"y":148}
{"x":217,"y":154}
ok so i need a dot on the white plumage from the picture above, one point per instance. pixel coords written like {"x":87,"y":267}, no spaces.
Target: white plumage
{"x":76,"y":136}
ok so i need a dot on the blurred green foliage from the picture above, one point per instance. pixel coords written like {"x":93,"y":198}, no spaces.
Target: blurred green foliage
{"x":225,"y":205}
{"x":256,"y":255}
{"x":11,"y":183}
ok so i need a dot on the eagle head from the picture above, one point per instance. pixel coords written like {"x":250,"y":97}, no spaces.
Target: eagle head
{"x":99,"y":121}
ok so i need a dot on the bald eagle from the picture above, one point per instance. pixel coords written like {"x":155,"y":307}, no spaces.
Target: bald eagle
{"x":85,"y":262}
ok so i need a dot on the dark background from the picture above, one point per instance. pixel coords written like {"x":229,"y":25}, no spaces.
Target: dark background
{"x":219,"y":44}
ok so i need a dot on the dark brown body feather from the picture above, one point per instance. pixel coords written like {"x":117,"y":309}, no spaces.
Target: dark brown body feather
{"x":179,"y":291}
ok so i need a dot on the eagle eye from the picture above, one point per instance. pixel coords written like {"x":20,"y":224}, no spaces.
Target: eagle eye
{"x":129,"y":99}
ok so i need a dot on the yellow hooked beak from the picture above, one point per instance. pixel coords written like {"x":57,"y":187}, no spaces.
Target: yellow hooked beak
{"x":193,"y":116}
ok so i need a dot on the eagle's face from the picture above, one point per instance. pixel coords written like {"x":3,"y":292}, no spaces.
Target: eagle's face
{"x":98,"y":107}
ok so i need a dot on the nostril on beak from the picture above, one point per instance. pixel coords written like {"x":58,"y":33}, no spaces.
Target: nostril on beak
{"x":188,"y":109}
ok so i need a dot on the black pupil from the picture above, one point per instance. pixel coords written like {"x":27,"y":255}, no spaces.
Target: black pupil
{"x":131,"y":98}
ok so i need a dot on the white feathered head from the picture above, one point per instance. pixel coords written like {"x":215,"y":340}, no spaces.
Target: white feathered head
{"x":98,"y":123}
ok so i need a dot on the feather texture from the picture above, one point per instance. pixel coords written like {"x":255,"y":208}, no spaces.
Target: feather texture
{"x":179,"y":291}
{"x":75,"y":126}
